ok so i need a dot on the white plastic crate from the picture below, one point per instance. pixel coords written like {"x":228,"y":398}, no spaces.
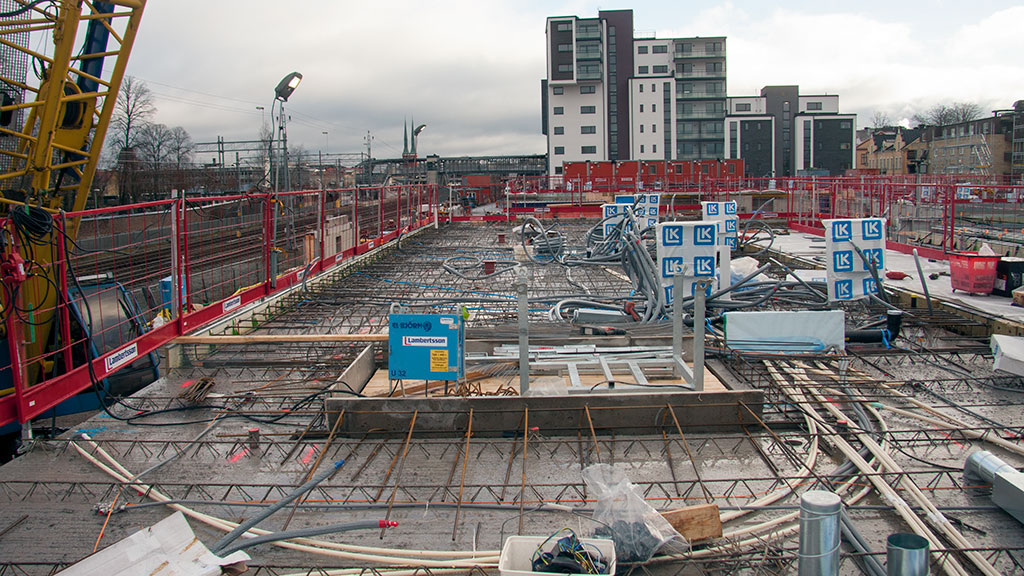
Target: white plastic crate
{"x":517,"y":554}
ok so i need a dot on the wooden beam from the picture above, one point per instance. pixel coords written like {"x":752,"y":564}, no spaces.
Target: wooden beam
{"x":279,"y":338}
{"x":696,"y":523}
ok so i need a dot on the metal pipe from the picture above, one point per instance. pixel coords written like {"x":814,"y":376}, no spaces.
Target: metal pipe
{"x":924,"y":283}
{"x":819,"y":533}
{"x":985,"y":465}
{"x":699,"y":296}
{"x":906,"y":554}
{"x":521,"y":285}
{"x":677,"y":323}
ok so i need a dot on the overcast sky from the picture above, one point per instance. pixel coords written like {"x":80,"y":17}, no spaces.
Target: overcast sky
{"x":471,"y":70}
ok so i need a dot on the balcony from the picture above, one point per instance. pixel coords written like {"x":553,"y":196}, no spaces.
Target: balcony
{"x":588,"y":75}
{"x":588,"y":33}
{"x":700,"y":74}
{"x":701,"y":114}
{"x":698,"y":54}
{"x":700,"y":96}
{"x":588,"y":54}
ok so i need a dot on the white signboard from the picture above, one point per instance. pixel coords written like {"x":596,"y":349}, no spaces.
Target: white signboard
{"x":688,"y":249}
{"x":849,"y":276}
{"x":645,"y":207}
{"x":728,"y":222}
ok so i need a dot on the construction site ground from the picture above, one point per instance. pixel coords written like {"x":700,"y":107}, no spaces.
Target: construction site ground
{"x":238,"y":426}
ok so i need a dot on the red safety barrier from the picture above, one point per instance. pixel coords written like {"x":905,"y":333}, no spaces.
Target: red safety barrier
{"x":117,"y":276}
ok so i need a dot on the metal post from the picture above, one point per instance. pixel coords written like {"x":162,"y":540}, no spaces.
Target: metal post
{"x":175,"y":258}
{"x":521,"y":285}
{"x":677,"y":324}
{"x":699,"y":297}
{"x":819,"y":533}
{"x":924,"y":282}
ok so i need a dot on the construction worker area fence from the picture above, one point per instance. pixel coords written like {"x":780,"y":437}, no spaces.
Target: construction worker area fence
{"x":100,"y":291}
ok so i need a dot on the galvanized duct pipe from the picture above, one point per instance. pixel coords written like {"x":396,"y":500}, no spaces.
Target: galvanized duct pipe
{"x":906,"y":554}
{"x":819,"y":533}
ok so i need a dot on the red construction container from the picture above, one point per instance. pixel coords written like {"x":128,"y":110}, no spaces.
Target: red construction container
{"x":971,"y":272}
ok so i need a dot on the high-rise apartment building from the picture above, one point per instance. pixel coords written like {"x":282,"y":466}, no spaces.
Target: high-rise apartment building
{"x":611,"y":96}
{"x":784,"y":133}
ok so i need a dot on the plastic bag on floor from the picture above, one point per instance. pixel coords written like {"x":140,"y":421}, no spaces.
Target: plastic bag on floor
{"x":623,"y":516}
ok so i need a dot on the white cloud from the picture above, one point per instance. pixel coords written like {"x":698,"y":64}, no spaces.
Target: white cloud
{"x":472,"y":70}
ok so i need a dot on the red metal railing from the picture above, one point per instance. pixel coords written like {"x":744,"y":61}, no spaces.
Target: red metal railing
{"x":219,"y":251}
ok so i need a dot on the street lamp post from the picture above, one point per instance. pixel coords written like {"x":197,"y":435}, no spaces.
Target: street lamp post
{"x":283,"y":90}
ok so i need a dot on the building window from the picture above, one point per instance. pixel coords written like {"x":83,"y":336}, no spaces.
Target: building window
{"x":641,"y":49}
{"x":642,"y":70}
{"x":641,"y":128}
{"x":654,"y":149}
{"x":641,"y":107}
{"x":641,"y":148}
{"x":564,"y":26}
{"x":713,"y":47}
{"x":588,"y":110}
{"x":558,"y":169}
{"x":588,"y":150}
{"x":565,"y":67}
{"x":713,"y":67}
{"x":661,"y":69}
{"x":559,"y":150}
{"x":559,"y":111}
{"x":559,"y":130}
{"x":785,"y":106}
{"x":565,"y":47}
{"x":588,"y":89}
{"x":654,"y":107}
{"x":814,"y":105}
{"x":660,"y":49}
{"x":654,"y":87}
{"x":588,"y":129}
{"x":743,"y":107}
{"x":558,"y":90}
{"x":844,"y":146}
{"x":845,"y":125}
{"x":685,"y":48}
{"x":654,"y":128}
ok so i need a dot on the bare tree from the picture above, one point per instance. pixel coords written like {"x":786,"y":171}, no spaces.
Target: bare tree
{"x":965,"y":111}
{"x":938,"y":115}
{"x":133,"y":109}
{"x":181,"y":147}
{"x":945,"y":114}
{"x":880,"y":120}
{"x":154,"y":145}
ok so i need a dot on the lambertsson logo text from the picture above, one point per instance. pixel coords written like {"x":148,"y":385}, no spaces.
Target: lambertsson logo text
{"x":121,"y":357}
{"x":430,"y":341}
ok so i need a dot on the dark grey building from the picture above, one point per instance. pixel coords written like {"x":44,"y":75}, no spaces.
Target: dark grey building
{"x":807,"y":134}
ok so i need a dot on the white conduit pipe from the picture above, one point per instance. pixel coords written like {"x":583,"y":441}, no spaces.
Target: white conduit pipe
{"x":933,"y":515}
{"x":886,"y":492}
{"x":335,"y":545}
{"x":989,"y":435}
{"x":374,"y":554}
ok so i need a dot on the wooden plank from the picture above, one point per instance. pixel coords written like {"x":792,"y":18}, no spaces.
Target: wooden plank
{"x":279,"y":338}
{"x":696,"y":523}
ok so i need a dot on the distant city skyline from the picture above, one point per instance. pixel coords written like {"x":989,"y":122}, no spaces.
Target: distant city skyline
{"x":471,"y":71}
